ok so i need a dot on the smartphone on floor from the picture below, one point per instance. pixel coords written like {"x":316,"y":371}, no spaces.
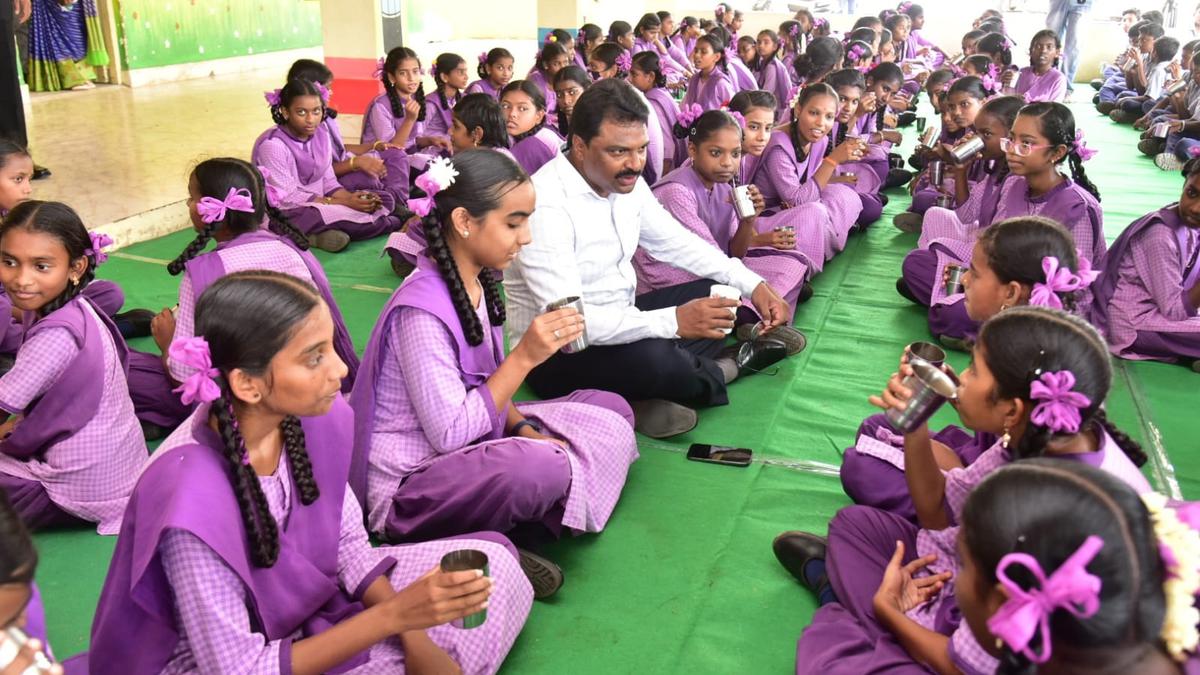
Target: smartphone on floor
{"x":719,"y":454}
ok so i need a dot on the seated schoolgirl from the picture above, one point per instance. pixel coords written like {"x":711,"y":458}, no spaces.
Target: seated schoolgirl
{"x":850,"y":85}
{"x":590,"y":35}
{"x":991,"y":122}
{"x":21,"y":605}
{"x":569,"y":85}
{"x":495,"y":71}
{"x":1038,"y":380}
{"x":229,"y":204}
{"x":1021,"y":261}
{"x":747,"y":51}
{"x":552,"y":58}
{"x":70,"y":444}
{"x":377,"y":167}
{"x":769,"y":71}
{"x":1061,"y":568}
{"x":397,"y":116}
{"x":816,"y":63}
{"x":243,"y":548}
{"x":680,"y":38}
{"x":1147,"y":297}
{"x":859,"y":56}
{"x":299,"y":158}
{"x":621,"y":33}
{"x":533,"y":141}
{"x":796,"y":173}
{"x":649,"y":33}
{"x":1041,"y":80}
{"x":646,"y":75}
{"x":739,"y":72}
{"x":877,"y":122}
{"x":712,"y":84}
{"x":1043,"y":136}
{"x":450,"y":77}
{"x":918,"y":44}
{"x":440,"y":447}
{"x":16,"y":186}
{"x":700,"y":196}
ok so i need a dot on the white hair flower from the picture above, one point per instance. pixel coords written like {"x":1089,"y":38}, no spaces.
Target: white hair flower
{"x":1179,"y":545}
{"x":441,"y":170}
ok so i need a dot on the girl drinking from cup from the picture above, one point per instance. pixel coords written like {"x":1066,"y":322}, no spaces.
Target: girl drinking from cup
{"x":433,"y":399}
{"x":299,"y":161}
{"x":244,"y":514}
{"x":1043,"y":137}
{"x":70,"y":443}
{"x":702,"y":197}
{"x":796,"y":172}
{"x":1146,"y":299}
{"x":1038,"y":379}
{"x":849,"y":85}
{"x":1017,"y":262}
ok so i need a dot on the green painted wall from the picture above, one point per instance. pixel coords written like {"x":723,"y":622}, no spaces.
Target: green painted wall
{"x":170,"y":32}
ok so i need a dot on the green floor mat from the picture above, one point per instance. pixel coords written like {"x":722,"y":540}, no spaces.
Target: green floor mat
{"x":683,"y":579}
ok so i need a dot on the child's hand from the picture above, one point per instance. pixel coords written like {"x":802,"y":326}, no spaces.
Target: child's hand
{"x":438,"y":598}
{"x":868,"y":103}
{"x":372,"y":166}
{"x":756,"y":197}
{"x":162,"y":327}
{"x":900,"y":591}
{"x":411,"y":110}
{"x":783,"y":240}
{"x":851,"y":150}
{"x":896,"y":395}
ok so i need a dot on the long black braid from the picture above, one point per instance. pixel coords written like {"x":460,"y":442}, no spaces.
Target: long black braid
{"x":393,"y":60}
{"x":439,"y":251}
{"x":194,"y":248}
{"x":1130,"y":447}
{"x":261,"y":529}
{"x":801,"y":155}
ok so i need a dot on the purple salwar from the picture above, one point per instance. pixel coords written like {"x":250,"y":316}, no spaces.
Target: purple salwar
{"x":422,"y":401}
{"x":709,"y":214}
{"x":394,"y":183}
{"x":1141,"y":298}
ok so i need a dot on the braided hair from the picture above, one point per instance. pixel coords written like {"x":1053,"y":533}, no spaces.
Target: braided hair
{"x":247,"y":318}
{"x":821,"y":57}
{"x":588,"y":34}
{"x":549,"y":52}
{"x":649,"y":62}
{"x":62,"y":223}
{"x":443,"y":65}
{"x":484,"y":177}
{"x":995,"y":45}
{"x":535,"y":96}
{"x":493,"y":57}
{"x":214,"y":178}
{"x":394,"y":58}
{"x":580,"y":77}
{"x":1047,"y":509}
{"x":481,"y":111}
{"x":313,"y":71}
{"x":1015,"y":248}
{"x":1058,"y":126}
{"x":807,"y":94}
{"x":1021,"y":343}
{"x":294,"y":89}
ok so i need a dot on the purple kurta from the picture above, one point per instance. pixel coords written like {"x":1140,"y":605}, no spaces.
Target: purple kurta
{"x":302,"y":171}
{"x":78,"y":436}
{"x":1049,"y":86}
{"x":439,"y":119}
{"x":709,"y":213}
{"x":535,"y":150}
{"x":772,"y":76}
{"x":184,"y":546}
{"x":787,"y":183}
{"x":672,"y":65}
{"x":486,"y":87}
{"x":1142,"y":293}
{"x":546,"y":84}
{"x":667,"y":111}
{"x":844,"y":637}
{"x":711,"y":92}
{"x":431,"y":455}
{"x":381,"y":124}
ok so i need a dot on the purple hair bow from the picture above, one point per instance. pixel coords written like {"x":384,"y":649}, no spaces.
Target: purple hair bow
{"x":741,"y":120}
{"x":1085,"y":153}
{"x":624,"y":62}
{"x":212,"y":210}
{"x":720,"y":10}
{"x":273,"y":97}
{"x":378,"y":74}
{"x":200,"y":385}
{"x":274,"y":194}
{"x":1060,"y":280}
{"x":820,"y":23}
{"x":99,"y":241}
{"x":324,"y":91}
{"x":483,"y":57}
{"x":1059,"y":405}
{"x":439,"y":176}
{"x":855,"y":53}
{"x":1027,"y":612}
{"x":688,"y":115}
{"x":904,"y":7}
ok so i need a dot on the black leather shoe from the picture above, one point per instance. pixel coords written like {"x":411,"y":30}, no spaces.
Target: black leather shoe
{"x":806,"y":293}
{"x":40,"y":172}
{"x":545,"y":576}
{"x":903,"y":289}
{"x":896,"y":178}
{"x":760,"y":354}
{"x":134,"y":324}
{"x":795,"y":549}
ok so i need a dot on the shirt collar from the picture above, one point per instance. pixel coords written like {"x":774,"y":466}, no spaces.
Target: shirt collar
{"x":572,"y":181}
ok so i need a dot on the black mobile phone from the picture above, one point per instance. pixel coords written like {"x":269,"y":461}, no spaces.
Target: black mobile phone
{"x":719,"y":454}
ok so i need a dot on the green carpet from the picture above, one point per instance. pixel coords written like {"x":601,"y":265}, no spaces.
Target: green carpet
{"x":683,"y":580}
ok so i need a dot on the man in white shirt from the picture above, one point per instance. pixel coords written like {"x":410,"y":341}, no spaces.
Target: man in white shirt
{"x":663,"y":350}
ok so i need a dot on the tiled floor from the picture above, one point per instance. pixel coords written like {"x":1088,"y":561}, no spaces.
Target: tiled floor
{"x":117,"y":152}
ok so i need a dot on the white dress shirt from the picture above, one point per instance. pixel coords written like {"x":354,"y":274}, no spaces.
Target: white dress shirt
{"x":583,"y":245}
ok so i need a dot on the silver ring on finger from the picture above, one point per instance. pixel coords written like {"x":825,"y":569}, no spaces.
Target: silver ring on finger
{"x":557,"y":336}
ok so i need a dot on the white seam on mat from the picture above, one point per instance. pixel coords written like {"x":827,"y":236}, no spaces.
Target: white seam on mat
{"x":1164,"y":469}
{"x":801,"y":465}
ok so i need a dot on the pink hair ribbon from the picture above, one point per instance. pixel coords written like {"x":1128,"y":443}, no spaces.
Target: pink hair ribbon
{"x":378,"y":74}
{"x":200,"y":385}
{"x":1027,"y":612}
{"x":99,"y":242}
{"x":1085,"y":153}
{"x":273,"y":97}
{"x":439,"y":176}
{"x":212,"y":210}
{"x":1060,"y":279}
{"x":1059,"y":406}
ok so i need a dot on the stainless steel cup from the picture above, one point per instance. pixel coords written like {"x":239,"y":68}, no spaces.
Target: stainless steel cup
{"x":742,"y":203}
{"x":967,"y":149}
{"x":921,"y":122}
{"x":927,"y":137}
{"x":461,"y":561}
{"x":580,"y":343}
{"x":945,"y":201}
{"x":1161,"y":129}
{"x":954,"y":275}
{"x":937,"y":171}
{"x":928,"y":352}
{"x":930,"y":388}
{"x":1177,"y":87}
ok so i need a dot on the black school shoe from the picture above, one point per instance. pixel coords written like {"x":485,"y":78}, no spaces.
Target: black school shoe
{"x":794,"y":550}
{"x":134,"y":324}
{"x":903,"y":289}
{"x":40,"y":172}
{"x":906,"y":118}
{"x":896,"y":178}
{"x":545,"y":577}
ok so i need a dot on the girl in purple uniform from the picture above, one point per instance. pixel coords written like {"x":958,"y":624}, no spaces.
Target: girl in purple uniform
{"x":495,"y":71}
{"x":398,"y":115}
{"x":243,"y":548}
{"x":552,"y":58}
{"x":70,"y":443}
{"x":712,"y":86}
{"x":21,"y":603}
{"x":450,"y":76}
{"x":440,"y":447}
{"x":1038,"y":380}
{"x":590,"y":35}
{"x":533,"y":141}
{"x":1147,"y":297}
{"x":647,"y":77}
{"x":769,"y":71}
{"x":1041,"y":80}
{"x":298,"y":157}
